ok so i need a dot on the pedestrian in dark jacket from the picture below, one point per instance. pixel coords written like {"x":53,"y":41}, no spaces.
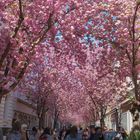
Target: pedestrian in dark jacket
{"x":85,"y":135}
{"x":46,"y":135}
{"x":34,"y":134}
{"x":92,"y":132}
{"x":73,"y":135}
{"x":98,"y":134}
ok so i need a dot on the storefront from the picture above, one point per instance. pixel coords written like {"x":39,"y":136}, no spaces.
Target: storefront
{"x":12,"y":108}
{"x":25,"y":113}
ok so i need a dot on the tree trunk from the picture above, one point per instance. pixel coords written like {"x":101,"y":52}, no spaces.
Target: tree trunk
{"x":55,"y":123}
{"x":0,"y":99}
{"x":102,"y":122}
{"x":40,"y":123}
{"x":135,"y":107}
{"x":56,"y":115}
{"x":117,"y":118}
{"x":103,"y":113}
{"x":2,"y":93}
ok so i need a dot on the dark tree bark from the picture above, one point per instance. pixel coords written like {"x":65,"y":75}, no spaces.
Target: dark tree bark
{"x":117,"y":117}
{"x":41,"y":111}
{"x":56,"y":115}
{"x":102,"y":116}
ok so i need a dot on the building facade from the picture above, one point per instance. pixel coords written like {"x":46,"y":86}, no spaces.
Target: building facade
{"x":13,"y":107}
{"x":120,"y":115}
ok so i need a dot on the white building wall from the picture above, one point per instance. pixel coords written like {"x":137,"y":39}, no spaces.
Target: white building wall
{"x":2,"y":111}
{"x":9,"y":110}
{"x":6,"y":111}
{"x":130,"y":121}
{"x":126,"y":121}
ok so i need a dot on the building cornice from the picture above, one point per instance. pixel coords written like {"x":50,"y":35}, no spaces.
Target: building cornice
{"x":26,"y":103}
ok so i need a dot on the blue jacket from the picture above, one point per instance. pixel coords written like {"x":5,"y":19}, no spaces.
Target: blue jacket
{"x":91,"y":136}
{"x":73,"y":138}
{"x":14,"y":135}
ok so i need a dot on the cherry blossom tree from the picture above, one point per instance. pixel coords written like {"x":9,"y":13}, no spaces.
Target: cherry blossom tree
{"x":80,"y":51}
{"x":111,"y":25}
{"x":120,"y":29}
{"x":24,"y":26}
{"x":37,"y":89}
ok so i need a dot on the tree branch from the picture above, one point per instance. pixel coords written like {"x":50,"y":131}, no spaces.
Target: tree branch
{"x":93,"y":103}
{"x":20,"y":20}
{"x":4,"y":55}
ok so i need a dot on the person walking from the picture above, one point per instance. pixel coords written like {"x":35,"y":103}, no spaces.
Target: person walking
{"x":92,"y":132}
{"x":15,"y":132}
{"x":34,"y":134}
{"x":98,"y":134}
{"x":124,"y":134}
{"x":62,"y":133}
{"x":121,"y":135}
{"x":80,"y":132}
{"x":55,"y":135}
{"x":65,"y":134}
{"x":46,"y":135}
{"x":85,"y":135}
{"x":23,"y":132}
{"x":73,"y":135}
